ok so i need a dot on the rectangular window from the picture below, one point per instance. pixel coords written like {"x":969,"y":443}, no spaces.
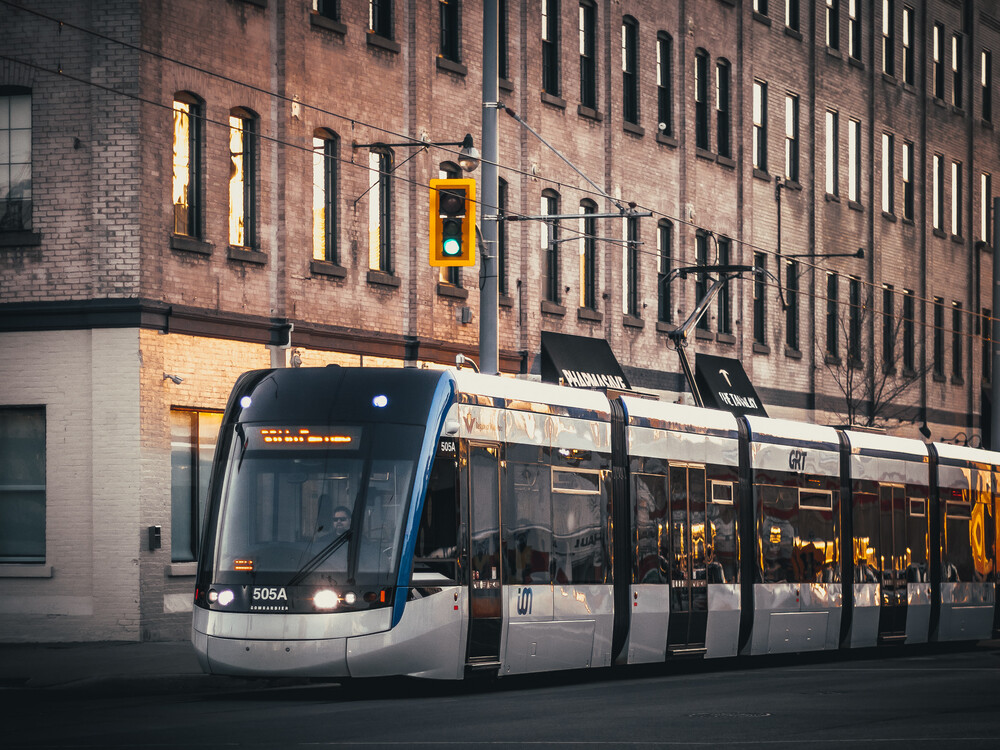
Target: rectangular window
{"x":854,"y":323}
{"x":22,"y":484}
{"x":760,"y":6}
{"x":907,"y":180}
{"x":193,"y":435}
{"x":888,"y":173}
{"x":550,"y":47}
{"x":327,"y":8}
{"x":664,"y":83}
{"x":956,"y":198}
{"x":664,"y":250}
{"x":956,"y":70}
{"x":987,"y":338}
{"x":760,"y":125}
{"x":986,"y":85}
{"x":187,"y":171}
{"x":550,"y":247}
{"x":956,"y":342}
{"x":909,"y":331}
{"x":701,"y":99}
{"x":451,"y":30}
{"x":588,"y":257}
{"x":832,"y":317}
{"x":759,"y":299}
{"x":380,"y":211}
{"x":854,"y":28}
{"x":985,"y":207}
{"x":503,"y":39}
{"x":792,"y":137}
{"x":502,"y":238}
{"x":242,"y":181}
{"x":832,"y":154}
{"x":631,"y":270}
{"x":908,"y":67}
{"x":380,"y":18}
{"x":792,"y":300}
{"x":938,"y":191}
{"x":630,"y":71}
{"x":701,"y":279}
{"x":588,"y":55}
{"x":722,"y":117}
{"x":889,"y":37}
{"x":325,"y":199}
{"x":939,"y":337}
{"x":854,"y":161}
{"x":792,"y":16}
{"x":725,"y":322}
{"x":937,"y":55}
{"x":833,"y":24}
{"x":888,"y":328}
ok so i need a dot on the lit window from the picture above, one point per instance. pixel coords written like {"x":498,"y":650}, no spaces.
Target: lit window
{"x":888,"y":173}
{"x":854,"y":161}
{"x":242,"y":179}
{"x":760,"y":125}
{"x":938,"y":191}
{"x":832,"y":153}
{"x":985,"y":207}
{"x":956,"y":198}
{"x":324,"y":208}
{"x":937,"y":55}
{"x":187,"y":159}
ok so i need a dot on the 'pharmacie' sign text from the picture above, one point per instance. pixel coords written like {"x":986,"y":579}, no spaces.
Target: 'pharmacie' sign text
{"x":578,"y":379}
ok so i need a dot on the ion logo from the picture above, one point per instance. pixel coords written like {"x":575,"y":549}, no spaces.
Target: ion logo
{"x":524,"y":601}
{"x":797,"y":460}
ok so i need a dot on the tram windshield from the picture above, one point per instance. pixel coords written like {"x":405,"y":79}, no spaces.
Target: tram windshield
{"x":315,"y":504}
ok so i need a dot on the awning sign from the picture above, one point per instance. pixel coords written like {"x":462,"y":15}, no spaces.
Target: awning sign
{"x":724,"y":385}
{"x":580,"y":362}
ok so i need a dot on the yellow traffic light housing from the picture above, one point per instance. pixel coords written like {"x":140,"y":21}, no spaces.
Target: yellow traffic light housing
{"x":453,"y":222}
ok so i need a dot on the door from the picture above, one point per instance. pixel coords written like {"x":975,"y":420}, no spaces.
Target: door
{"x":688,"y":579}
{"x":485,"y":586}
{"x":892,"y":561}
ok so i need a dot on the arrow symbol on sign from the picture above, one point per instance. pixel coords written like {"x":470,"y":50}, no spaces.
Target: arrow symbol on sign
{"x":725,"y":374}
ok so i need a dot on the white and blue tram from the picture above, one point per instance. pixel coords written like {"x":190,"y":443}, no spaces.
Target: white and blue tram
{"x":368,"y":522}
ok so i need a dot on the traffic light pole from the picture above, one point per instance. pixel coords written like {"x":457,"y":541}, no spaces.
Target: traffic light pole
{"x":489,"y":294}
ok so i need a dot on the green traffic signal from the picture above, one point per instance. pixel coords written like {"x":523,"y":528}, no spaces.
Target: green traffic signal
{"x":451,"y":241}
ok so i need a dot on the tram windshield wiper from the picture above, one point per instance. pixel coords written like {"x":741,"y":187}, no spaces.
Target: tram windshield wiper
{"x":316,"y":560}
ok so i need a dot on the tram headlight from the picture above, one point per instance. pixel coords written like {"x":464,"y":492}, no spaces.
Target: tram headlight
{"x":245,"y":402}
{"x":326,"y":599}
{"x":225,"y":597}
{"x":350,"y":597}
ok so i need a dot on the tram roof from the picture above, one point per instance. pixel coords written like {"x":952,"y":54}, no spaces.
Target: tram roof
{"x":785,"y":430}
{"x":965,"y":454}
{"x":667,"y":415}
{"x":870,"y":443}
{"x":532,"y":391}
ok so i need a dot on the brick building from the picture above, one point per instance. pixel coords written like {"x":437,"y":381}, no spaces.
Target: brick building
{"x":182,"y":182}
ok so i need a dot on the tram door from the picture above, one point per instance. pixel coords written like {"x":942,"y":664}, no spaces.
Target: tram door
{"x":688,"y":579}
{"x":892,"y":561}
{"x":485,"y":588}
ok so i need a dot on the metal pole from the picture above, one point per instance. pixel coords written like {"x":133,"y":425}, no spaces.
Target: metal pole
{"x":995,"y":332}
{"x":489,"y":295}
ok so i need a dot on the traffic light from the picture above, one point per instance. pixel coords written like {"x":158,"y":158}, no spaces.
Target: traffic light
{"x":453,"y":222}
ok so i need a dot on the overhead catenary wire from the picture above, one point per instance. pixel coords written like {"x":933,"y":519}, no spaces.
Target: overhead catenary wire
{"x":417,"y":142}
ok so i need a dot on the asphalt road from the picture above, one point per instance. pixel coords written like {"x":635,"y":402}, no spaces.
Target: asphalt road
{"x":916,"y":699}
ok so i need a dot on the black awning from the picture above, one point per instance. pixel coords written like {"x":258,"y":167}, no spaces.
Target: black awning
{"x":580,"y":362}
{"x":724,"y":385}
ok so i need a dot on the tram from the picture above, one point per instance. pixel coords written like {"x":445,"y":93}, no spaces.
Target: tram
{"x":366,"y":522}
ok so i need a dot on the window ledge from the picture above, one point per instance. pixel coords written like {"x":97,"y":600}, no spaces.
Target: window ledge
{"x":20,"y":239}
{"x":832,"y":52}
{"x":761,"y":174}
{"x":832,"y":198}
{"x":555,"y":101}
{"x":939,"y":378}
{"x":855,"y":63}
{"x":702,"y":153}
{"x":505,"y":300}
{"x":452,"y":291}
{"x":175,"y":570}
{"x":633,"y":129}
{"x":988,"y":124}
{"x":960,"y":111}
{"x":505,"y":85}
{"x":790,"y":184}
{"x":792,"y":353}
{"x":761,"y":18}
{"x":190,"y":244}
{"x":958,"y":239}
{"x":451,"y":66}
{"x":889,"y":78}
{"x":381,"y":42}
{"x":725,"y":161}
{"x":552,"y":308}
{"x":888,"y":216}
{"x":258,"y":3}
{"x":793,"y":33}
{"x":759,"y":348}
{"x":322,"y":22}
{"x":908,"y":221}
{"x":590,"y":114}
{"x":664,"y":327}
{"x":855,"y":206}
{"x":246,"y":255}
{"x":666,"y":140}
{"x":940,"y":233}
{"x":831,"y":359}
{"x":327,"y":268}
{"x":631,"y":321}
{"x":25,"y":571}
{"x":701,"y":333}
{"x":725,"y":338}
{"x":381,"y":278}
{"x":589,"y":315}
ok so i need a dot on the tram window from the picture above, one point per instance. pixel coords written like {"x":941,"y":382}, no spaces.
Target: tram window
{"x":437,"y":538}
{"x":652,"y":533}
{"x":722,"y":545}
{"x":866,"y":532}
{"x":916,"y":540}
{"x":577,"y":527}
{"x":778,"y":514}
{"x":527,"y":514}
{"x":816,"y":500}
{"x":722,"y":492}
{"x":918,"y":507}
{"x":386,"y":500}
{"x":816,"y":558}
{"x":956,"y":552}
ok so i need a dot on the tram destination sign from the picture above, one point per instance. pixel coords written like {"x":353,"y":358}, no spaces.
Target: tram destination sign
{"x":724,"y":385}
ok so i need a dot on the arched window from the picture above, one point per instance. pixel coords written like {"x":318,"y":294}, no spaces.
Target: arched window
{"x":243,"y":146}
{"x":325,"y":173}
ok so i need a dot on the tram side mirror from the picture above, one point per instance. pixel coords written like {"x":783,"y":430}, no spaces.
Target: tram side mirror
{"x":451,"y":427}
